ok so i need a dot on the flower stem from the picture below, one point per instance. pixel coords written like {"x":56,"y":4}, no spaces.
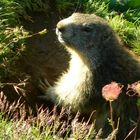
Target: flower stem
{"x":111,"y":116}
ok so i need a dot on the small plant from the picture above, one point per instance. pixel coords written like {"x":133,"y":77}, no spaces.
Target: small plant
{"x":111,"y":92}
{"x":128,"y":31}
{"x":45,"y":125}
{"x":10,"y":47}
{"x":132,"y":16}
{"x":12,"y":36}
{"x":98,"y":7}
{"x":33,"y":5}
{"x":63,"y":6}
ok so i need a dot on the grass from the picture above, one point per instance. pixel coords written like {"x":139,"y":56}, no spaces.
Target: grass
{"x":48,"y":125}
{"x":10,"y":32}
{"x":45,"y":125}
{"x":128,"y":31}
{"x":33,"y":5}
{"x":63,"y":5}
{"x":21,"y":130}
{"x":98,"y":7}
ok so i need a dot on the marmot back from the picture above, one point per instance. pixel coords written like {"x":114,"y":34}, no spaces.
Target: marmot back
{"x":97,"y":58}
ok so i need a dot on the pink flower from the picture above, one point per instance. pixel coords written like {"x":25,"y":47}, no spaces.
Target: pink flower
{"x":111,"y":91}
{"x":135,"y":87}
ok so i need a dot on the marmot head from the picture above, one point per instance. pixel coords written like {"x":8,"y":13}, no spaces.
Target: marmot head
{"x":83,"y":32}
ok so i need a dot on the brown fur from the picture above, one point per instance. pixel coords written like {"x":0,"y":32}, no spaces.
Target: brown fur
{"x":97,"y":58}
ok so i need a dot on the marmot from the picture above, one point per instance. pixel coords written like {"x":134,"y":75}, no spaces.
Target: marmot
{"x":97,"y":58}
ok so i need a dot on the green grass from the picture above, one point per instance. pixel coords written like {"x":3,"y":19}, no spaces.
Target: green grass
{"x":33,"y":5}
{"x":98,"y":7}
{"x":10,"y":32}
{"x":63,"y":5}
{"x":45,"y":125}
{"x":128,"y":31}
{"x":21,"y":130}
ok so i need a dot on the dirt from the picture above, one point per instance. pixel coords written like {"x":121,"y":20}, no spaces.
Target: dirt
{"x":44,"y":56}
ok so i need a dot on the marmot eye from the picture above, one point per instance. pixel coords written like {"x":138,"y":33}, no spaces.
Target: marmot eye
{"x":86,"y":29}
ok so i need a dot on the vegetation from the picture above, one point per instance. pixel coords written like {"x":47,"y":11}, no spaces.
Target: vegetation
{"x":126,"y":24}
{"x":50,"y":125}
{"x":10,"y":33}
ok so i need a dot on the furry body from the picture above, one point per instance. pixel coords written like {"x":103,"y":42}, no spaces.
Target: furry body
{"x":97,"y":58}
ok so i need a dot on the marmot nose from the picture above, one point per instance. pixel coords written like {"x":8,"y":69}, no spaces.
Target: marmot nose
{"x":61,"y":28}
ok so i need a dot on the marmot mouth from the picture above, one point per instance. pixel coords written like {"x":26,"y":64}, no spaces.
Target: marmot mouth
{"x":61,"y":39}
{"x":59,"y":36}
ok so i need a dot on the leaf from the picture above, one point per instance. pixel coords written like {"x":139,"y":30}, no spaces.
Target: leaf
{"x":134,"y":3}
{"x":43,"y":32}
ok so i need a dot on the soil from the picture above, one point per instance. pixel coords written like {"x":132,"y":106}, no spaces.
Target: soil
{"x":43,"y":57}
